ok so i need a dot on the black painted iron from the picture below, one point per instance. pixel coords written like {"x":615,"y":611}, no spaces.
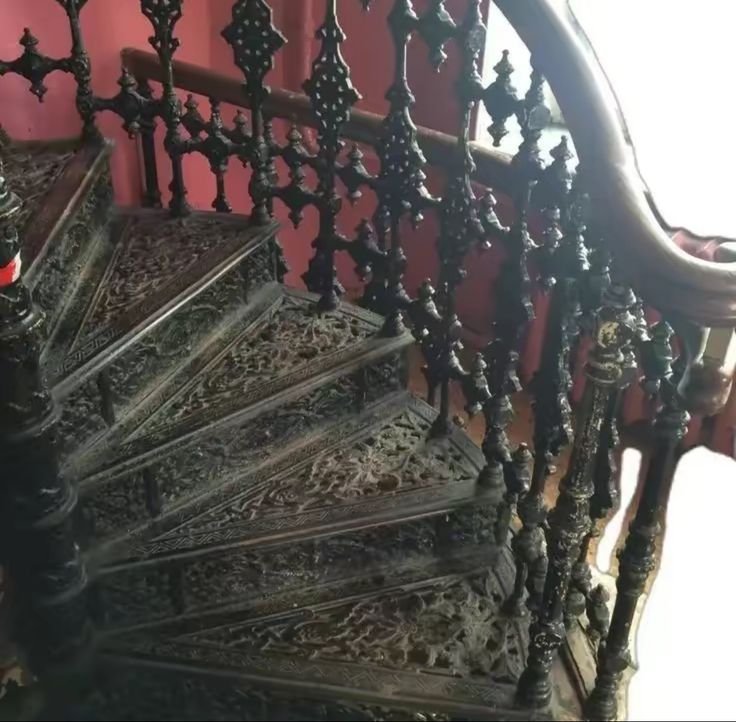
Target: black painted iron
{"x":245,"y":452}
{"x":569,"y":522}
{"x":53,"y":625}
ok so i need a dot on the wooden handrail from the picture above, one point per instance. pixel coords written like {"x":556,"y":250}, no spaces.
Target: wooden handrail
{"x":666,"y":276}
{"x":493,"y":167}
{"x":669,"y":278}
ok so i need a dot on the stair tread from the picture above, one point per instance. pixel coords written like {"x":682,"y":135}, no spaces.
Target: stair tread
{"x":380,"y":466}
{"x":152,"y":264}
{"x":265,"y":352}
{"x":50,"y":177}
{"x":430,"y":638}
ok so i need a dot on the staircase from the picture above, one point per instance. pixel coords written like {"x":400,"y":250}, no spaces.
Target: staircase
{"x":264,"y":513}
{"x":222,"y":501}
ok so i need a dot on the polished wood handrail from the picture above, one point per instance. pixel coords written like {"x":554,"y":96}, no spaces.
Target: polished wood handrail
{"x":666,"y":275}
{"x":493,"y":168}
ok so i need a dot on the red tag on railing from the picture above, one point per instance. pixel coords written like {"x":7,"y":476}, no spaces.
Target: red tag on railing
{"x":10,"y":273}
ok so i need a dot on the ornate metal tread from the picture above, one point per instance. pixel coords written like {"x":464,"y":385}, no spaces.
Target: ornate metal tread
{"x":378,"y":467}
{"x":158,"y":264}
{"x":423,"y":640}
{"x":53,"y":178}
{"x":268,"y":354}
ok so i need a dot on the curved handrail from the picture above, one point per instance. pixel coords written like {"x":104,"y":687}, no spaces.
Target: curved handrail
{"x":493,"y":168}
{"x":663,"y":273}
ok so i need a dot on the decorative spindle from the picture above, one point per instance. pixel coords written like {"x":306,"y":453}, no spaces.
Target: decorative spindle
{"x":38,"y":505}
{"x":500,"y":99}
{"x":400,"y":187}
{"x":637,"y":559}
{"x":296,"y":195}
{"x":255,"y":41}
{"x":460,"y":226}
{"x":79,"y":65}
{"x":515,"y":309}
{"x":214,"y":142}
{"x":565,"y":263}
{"x":152,"y":193}
{"x":569,"y":522}
{"x":163,"y":16}
{"x":135,"y":108}
{"x":436,"y":27}
{"x":32,"y":65}
{"x":332,"y":95}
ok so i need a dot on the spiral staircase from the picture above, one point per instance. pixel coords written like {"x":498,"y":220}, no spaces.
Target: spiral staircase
{"x":223,"y":500}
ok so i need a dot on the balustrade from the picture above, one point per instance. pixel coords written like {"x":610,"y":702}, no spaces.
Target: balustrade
{"x":568,"y":261}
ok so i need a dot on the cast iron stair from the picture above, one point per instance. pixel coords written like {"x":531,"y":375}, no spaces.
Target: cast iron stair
{"x":271,"y":529}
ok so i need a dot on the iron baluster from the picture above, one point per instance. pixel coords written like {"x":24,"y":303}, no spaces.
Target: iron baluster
{"x":400,"y":187}
{"x":564,"y":261}
{"x":152,"y":191}
{"x":569,"y":521}
{"x":332,"y":95}
{"x":513,"y":316}
{"x":637,"y":559}
{"x":79,"y":66}
{"x":163,"y":15}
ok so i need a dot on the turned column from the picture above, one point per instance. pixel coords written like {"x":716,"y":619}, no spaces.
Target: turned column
{"x":47,"y":575}
{"x":704,"y":387}
{"x":569,"y":522}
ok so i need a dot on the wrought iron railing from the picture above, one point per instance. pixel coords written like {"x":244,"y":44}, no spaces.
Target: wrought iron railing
{"x":596,"y":230}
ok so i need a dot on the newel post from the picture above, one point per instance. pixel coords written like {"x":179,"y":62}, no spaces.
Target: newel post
{"x":38,"y":545}
{"x":569,"y":522}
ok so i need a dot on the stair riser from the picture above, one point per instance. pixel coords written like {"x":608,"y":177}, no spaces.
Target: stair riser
{"x":60,"y":269}
{"x":93,"y":407}
{"x":136,"y":691}
{"x":122,"y":504}
{"x":142,"y":593}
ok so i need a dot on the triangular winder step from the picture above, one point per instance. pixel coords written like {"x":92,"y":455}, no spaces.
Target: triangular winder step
{"x":268,"y":375}
{"x":67,"y":196}
{"x":376,"y":467}
{"x":152,"y":289}
{"x":397,"y":641}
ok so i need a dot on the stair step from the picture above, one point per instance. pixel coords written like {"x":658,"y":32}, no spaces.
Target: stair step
{"x":428,"y":640}
{"x":355,"y":494}
{"x":67,"y":195}
{"x":150,"y":290}
{"x":272,"y":356}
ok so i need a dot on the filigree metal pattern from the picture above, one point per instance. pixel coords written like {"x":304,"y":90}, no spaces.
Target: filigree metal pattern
{"x":292,"y":337}
{"x":395,"y":458}
{"x":152,"y":254}
{"x":332,"y":95}
{"x":453,"y":628}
